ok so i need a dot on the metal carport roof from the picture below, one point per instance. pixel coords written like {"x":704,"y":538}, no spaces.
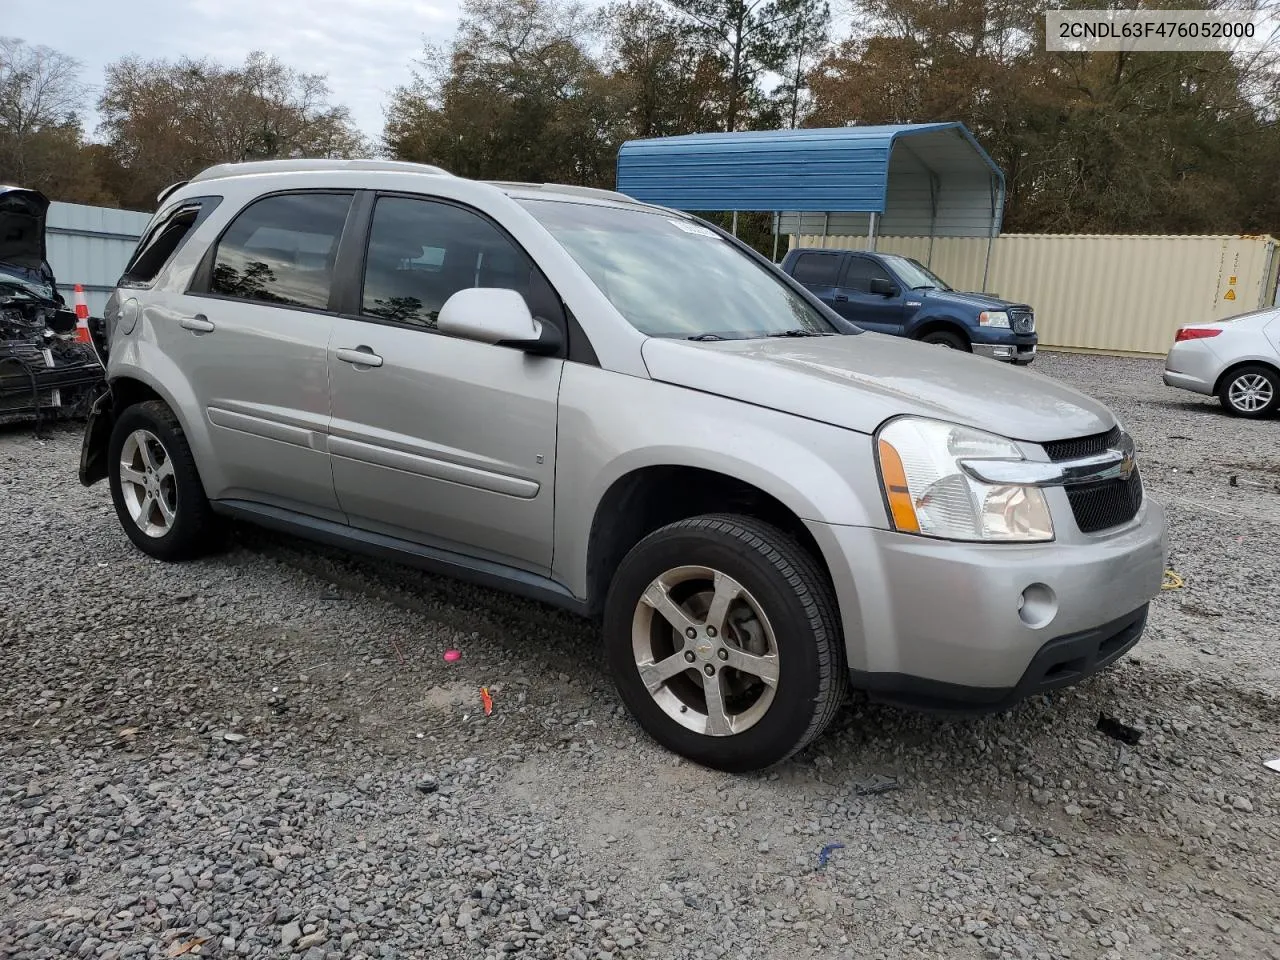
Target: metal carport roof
{"x":926,"y":179}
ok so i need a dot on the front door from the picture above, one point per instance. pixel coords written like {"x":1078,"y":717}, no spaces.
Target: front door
{"x":441,"y":440}
{"x":252,"y":338}
{"x":870,"y":310}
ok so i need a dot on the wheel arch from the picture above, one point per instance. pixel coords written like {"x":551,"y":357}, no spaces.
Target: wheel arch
{"x":649,"y":497}
{"x":1240,"y":365}
{"x":940,"y":324}
{"x":136,"y":383}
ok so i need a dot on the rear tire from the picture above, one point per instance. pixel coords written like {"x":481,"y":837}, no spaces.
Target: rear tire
{"x":763,"y":672}
{"x":944,"y":338}
{"x":155,"y":486}
{"x":1252,"y":392}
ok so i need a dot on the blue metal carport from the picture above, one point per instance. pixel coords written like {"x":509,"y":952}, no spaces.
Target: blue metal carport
{"x":924,"y":179}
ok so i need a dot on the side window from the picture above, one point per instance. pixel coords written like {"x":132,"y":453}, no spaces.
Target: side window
{"x":817,"y":269}
{"x":422,"y":252}
{"x":161,"y":242}
{"x":282,"y":249}
{"x":861,"y":272}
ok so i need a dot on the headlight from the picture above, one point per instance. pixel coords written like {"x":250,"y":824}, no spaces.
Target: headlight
{"x":929,"y":493}
{"x":993,"y":318}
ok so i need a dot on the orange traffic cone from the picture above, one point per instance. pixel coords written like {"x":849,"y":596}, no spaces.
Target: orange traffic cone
{"x":82,"y":317}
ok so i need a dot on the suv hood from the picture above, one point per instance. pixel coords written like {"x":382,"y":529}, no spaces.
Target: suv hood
{"x":861,"y":380}
{"x":22,"y":214}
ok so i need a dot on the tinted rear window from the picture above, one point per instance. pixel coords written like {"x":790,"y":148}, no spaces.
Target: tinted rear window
{"x":819,"y":269}
{"x":282,"y":250}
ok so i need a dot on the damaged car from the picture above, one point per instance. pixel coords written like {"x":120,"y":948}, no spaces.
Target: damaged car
{"x":46,"y":369}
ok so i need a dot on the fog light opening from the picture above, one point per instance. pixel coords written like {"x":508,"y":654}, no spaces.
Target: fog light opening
{"x":1037,"y":605}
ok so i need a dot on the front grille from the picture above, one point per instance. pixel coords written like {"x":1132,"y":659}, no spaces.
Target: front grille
{"x":1100,"y":506}
{"x":1022,"y":320}
{"x":1081,"y":447}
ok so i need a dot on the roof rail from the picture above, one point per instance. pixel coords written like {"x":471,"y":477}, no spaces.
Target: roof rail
{"x":305,"y":165}
{"x":570,"y":189}
{"x":169,"y":190}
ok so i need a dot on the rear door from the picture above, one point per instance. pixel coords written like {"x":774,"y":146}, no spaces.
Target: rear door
{"x":819,"y":272}
{"x":871,"y":311}
{"x":441,"y":440}
{"x":252,"y":337}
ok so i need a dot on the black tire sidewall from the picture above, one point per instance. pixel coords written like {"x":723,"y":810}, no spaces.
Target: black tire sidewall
{"x":789,"y":718}
{"x":954,"y":341}
{"x":185,"y":537}
{"x":1224,"y":393}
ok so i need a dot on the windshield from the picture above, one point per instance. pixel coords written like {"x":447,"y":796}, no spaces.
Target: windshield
{"x":914,"y":274}
{"x":671,"y":277}
{"x":24,"y":281}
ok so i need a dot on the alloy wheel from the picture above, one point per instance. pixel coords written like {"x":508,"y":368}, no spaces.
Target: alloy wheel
{"x":1251,"y":392}
{"x":705,"y":650}
{"x":147,"y":483}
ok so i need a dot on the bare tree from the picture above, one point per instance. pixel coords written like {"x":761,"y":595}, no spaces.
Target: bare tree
{"x":41,"y":95}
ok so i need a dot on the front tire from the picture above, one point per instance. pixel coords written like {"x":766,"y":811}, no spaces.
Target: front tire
{"x":724,"y":641}
{"x":943,"y":338}
{"x":155,"y":487}
{"x":1252,"y":392}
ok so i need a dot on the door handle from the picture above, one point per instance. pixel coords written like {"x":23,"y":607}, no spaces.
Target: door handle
{"x":197,"y":324}
{"x":841,"y":298}
{"x":361,"y":356}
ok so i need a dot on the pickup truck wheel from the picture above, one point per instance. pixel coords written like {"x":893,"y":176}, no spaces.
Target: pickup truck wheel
{"x":154,"y":484}
{"x":724,"y":642}
{"x":941,"y":338}
{"x":1252,"y":392}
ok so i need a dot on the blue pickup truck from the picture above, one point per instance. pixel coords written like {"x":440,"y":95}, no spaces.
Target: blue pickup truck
{"x":898,"y":295}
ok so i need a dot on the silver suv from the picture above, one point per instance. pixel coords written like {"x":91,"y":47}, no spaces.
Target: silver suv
{"x":620,"y":410}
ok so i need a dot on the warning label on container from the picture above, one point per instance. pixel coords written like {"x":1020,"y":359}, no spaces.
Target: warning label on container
{"x":1229,"y":295}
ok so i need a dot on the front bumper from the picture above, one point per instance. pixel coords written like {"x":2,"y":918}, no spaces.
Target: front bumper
{"x":935,"y":622}
{"x":1019,"y":354}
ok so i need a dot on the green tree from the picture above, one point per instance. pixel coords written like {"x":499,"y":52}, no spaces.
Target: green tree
{"x":517,"y":96}
{"x":750,"y":38}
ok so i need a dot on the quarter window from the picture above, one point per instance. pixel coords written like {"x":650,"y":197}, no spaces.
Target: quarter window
{"x":422,"y":252}
{"x":282,"y":250}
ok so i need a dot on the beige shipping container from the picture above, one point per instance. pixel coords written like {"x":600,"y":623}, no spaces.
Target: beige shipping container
{"x":1109,"y":294}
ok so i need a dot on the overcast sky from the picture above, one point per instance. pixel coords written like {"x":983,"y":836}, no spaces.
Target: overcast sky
{"x":364,"y":46}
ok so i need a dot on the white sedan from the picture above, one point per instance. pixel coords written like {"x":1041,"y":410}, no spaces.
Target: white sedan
{"x":1237,"y":359}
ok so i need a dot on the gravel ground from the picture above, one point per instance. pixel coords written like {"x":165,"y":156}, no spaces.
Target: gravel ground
{"x":265,"y":754}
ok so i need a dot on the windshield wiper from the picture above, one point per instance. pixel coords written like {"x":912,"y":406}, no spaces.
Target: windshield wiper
{"x":706,"y":337}
{"x":927,"y":286}
{"x":799,"y":333}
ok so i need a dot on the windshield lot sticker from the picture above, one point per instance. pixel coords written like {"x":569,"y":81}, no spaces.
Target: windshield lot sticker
{"x":696,"y":229}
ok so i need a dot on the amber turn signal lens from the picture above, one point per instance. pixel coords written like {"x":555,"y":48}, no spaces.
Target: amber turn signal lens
{"x":895,"y":485}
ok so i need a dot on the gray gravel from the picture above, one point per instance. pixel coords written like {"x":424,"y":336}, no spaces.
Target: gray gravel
{"x":266,"y":754}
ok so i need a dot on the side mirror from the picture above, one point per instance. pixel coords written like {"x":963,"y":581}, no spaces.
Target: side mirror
{"x":497,"y":316}
{"x":883,"y":287}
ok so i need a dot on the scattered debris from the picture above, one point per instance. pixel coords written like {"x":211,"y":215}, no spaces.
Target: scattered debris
{"x":127,"y":733}
{"x":486,"y":700}
{"x":825,"y":853}
{"x":1116,"y":730}
{"x":179,"y":948}
{"x":1273,"y":764}
{"x":1233,"y":480}
{"x":233,"y":737}
{"x":877,"y":785}
{"x":428,"y":785}
{"x":452,"y":656}
{"x":1172,"y":581}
